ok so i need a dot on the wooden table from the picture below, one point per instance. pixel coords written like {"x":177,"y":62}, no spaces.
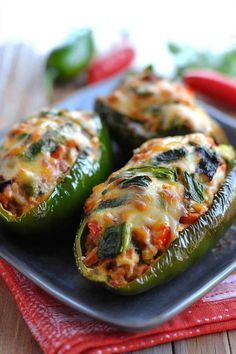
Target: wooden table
{"x":22,"y":93}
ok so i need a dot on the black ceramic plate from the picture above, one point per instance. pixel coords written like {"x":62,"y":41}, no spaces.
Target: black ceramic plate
{"x":53,"y":268}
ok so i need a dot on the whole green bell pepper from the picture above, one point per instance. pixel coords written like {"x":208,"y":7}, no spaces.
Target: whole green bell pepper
{"x":60,"y":211}
{"x":192,"y":243}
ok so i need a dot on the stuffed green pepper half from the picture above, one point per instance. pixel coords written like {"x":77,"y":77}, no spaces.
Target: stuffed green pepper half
{"x":48,"y":166}
{"x":158,"y":214}
{"x":144,"y":106}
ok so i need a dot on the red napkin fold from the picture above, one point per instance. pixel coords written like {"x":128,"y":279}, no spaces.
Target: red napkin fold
{"x":60,"y":329}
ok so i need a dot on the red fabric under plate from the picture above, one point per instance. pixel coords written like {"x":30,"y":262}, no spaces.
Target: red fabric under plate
{"x":60,"y":329}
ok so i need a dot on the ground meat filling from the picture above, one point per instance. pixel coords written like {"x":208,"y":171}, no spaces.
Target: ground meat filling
{"x":135,"y":215}
{"x":37,"y":153}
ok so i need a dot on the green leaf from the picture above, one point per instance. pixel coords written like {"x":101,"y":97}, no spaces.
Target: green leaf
{"x":115,"y":240}
{"x":194,"y":188}
{"x":137,"y":181}
{"x":170,"y":155}
{"x":33,"y":150}
{"x":24,"y":136}
{"x":110,"y":203}
{"x":209,"y":161}
{"x":160,"y":172}
{"x":48,"y":142}
{"x":68,"y":60}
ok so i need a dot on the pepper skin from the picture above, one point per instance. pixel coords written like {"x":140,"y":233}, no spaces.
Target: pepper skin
{"x":58,"y":212}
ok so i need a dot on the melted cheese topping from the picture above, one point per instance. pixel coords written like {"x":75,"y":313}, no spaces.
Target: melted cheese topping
{"x":162,"y":107}
{"x":166,"y":186}
{"x":37,"y":153}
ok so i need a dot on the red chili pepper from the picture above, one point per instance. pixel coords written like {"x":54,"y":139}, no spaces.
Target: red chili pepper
{"x":94,"y":231}
{"x":116,"y":60}
{"x":94,"y":227}
{"x":213,"y":84}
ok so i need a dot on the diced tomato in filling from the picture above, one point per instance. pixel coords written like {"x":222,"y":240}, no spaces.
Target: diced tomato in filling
{"x":189,"y":219}
{"x":118,"y":277}
{"x":161,"y":236}
{"x":57,"y":154}
{"x":94,"y":231}
{"x":91,"y":257}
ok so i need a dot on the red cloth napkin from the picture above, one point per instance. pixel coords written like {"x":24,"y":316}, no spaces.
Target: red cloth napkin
{"x":60,"y":329}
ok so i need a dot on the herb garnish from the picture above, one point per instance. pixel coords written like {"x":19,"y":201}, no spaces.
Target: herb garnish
{"x":209,"y":161}
{"x":114,"y":241}
{"x":137,"y":181}
{"x":194,"y":188}
{"x":170,"y":155}
{"x":48,"y":142}
{"x":110,"y":203}
{"x":160,"y":172}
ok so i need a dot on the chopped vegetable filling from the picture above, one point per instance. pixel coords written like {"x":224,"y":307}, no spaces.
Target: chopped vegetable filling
{"x":38,"y":153}
{"x":135,"y":215}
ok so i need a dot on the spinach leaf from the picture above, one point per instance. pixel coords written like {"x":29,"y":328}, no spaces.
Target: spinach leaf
{"x":139,"y":181}
{"x":209,"y":161}
{"x":170,"y":155}
{"x":48,"y":142}
{"x":194,"y":188}
{"x":110,"y":203}
{"x":24,"y":136}
{"x":159,"y":172}
{"x":114,"y":241}
{"x":33,"y":150}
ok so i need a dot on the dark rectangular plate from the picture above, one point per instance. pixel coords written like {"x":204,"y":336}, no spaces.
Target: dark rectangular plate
{"x":52,"y":267}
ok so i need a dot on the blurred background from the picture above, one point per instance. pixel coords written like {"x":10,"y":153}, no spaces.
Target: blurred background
{"x":150,"y":24}
{"x":61,"y":45}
